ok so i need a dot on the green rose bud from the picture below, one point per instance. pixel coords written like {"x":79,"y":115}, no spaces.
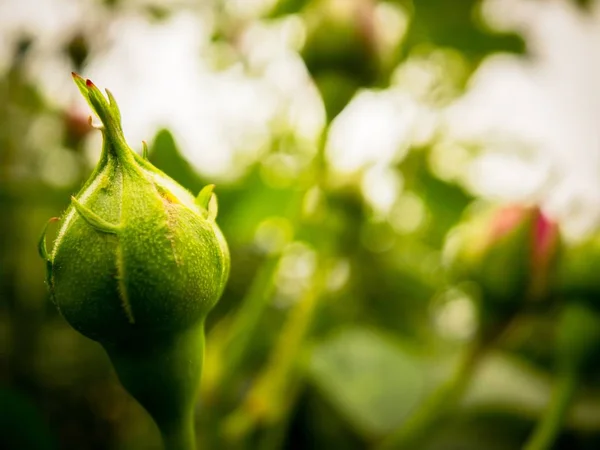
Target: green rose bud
{"x":509,"y":252}
{"x":137,"y":265}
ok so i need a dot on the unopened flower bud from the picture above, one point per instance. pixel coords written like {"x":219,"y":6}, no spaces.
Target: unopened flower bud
{"x":509,"y":252}
{"x":137,"y":265}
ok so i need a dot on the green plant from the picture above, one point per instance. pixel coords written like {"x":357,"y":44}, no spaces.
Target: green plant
{"x":509,"y":254}
{"x":577,"y":343}
{"x":137,"y":265}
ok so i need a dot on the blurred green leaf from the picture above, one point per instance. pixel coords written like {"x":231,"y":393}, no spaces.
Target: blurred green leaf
{"x":372,"y":381}
{"x":165,"y":155}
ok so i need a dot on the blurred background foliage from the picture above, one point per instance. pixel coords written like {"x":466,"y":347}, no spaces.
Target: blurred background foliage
{"x":329,"y":127}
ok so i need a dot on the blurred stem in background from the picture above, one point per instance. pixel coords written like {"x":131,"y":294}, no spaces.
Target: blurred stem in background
{"x":577,"y":342}
{"x":234,"y":341}
{"x":273,"y":393}
{"x":269,"y":402}
{"x":552,"y":420}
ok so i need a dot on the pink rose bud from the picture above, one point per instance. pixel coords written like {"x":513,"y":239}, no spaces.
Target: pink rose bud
{"x":509,"y":252}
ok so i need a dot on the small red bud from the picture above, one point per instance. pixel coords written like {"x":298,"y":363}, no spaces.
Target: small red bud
{"x":509,"y":252}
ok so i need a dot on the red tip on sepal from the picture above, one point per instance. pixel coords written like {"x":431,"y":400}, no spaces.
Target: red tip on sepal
{"x":105,"y":107}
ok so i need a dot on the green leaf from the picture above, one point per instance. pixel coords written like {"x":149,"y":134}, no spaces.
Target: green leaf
{"x":165,"y":155}
{"x":368,"y":378}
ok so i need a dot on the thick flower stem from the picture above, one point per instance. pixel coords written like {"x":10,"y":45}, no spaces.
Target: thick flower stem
{"x":180,"y":435}
{"x":164,"y":378}
{"x":437,"y":406}
{"x":547,"y":430}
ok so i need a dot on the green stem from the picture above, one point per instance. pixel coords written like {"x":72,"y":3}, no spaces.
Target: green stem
{"x":547,"y":430}
{"x":180,"y":436}
{"x":271,"y":397}
{"x":247,"y":321}
{"x":163,"y":376}
{"x":577,"y":340}
{"x":437,"y":406}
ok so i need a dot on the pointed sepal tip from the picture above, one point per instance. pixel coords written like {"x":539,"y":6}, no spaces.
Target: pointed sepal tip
{"x":42,"y":249}
{"x":145,"y":150}
{"x":207,"y":200}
